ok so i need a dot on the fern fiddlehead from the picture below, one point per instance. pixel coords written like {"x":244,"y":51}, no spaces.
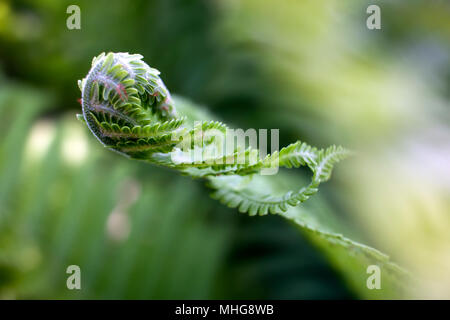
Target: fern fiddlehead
{"x":129,"y":110}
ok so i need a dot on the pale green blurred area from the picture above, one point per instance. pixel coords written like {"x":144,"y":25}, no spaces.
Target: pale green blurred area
{"x":310,"y":68}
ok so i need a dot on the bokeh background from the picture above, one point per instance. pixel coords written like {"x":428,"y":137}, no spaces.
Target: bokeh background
{"x":310,"y":68}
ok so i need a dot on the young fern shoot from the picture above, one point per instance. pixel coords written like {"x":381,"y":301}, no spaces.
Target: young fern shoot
{"x":128,"y":109}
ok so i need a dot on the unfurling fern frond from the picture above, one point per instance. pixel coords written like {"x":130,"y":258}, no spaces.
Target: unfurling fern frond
{"x":129,"y":110}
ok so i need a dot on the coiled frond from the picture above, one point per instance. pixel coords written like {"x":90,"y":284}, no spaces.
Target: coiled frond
{"x":128,"y":108}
